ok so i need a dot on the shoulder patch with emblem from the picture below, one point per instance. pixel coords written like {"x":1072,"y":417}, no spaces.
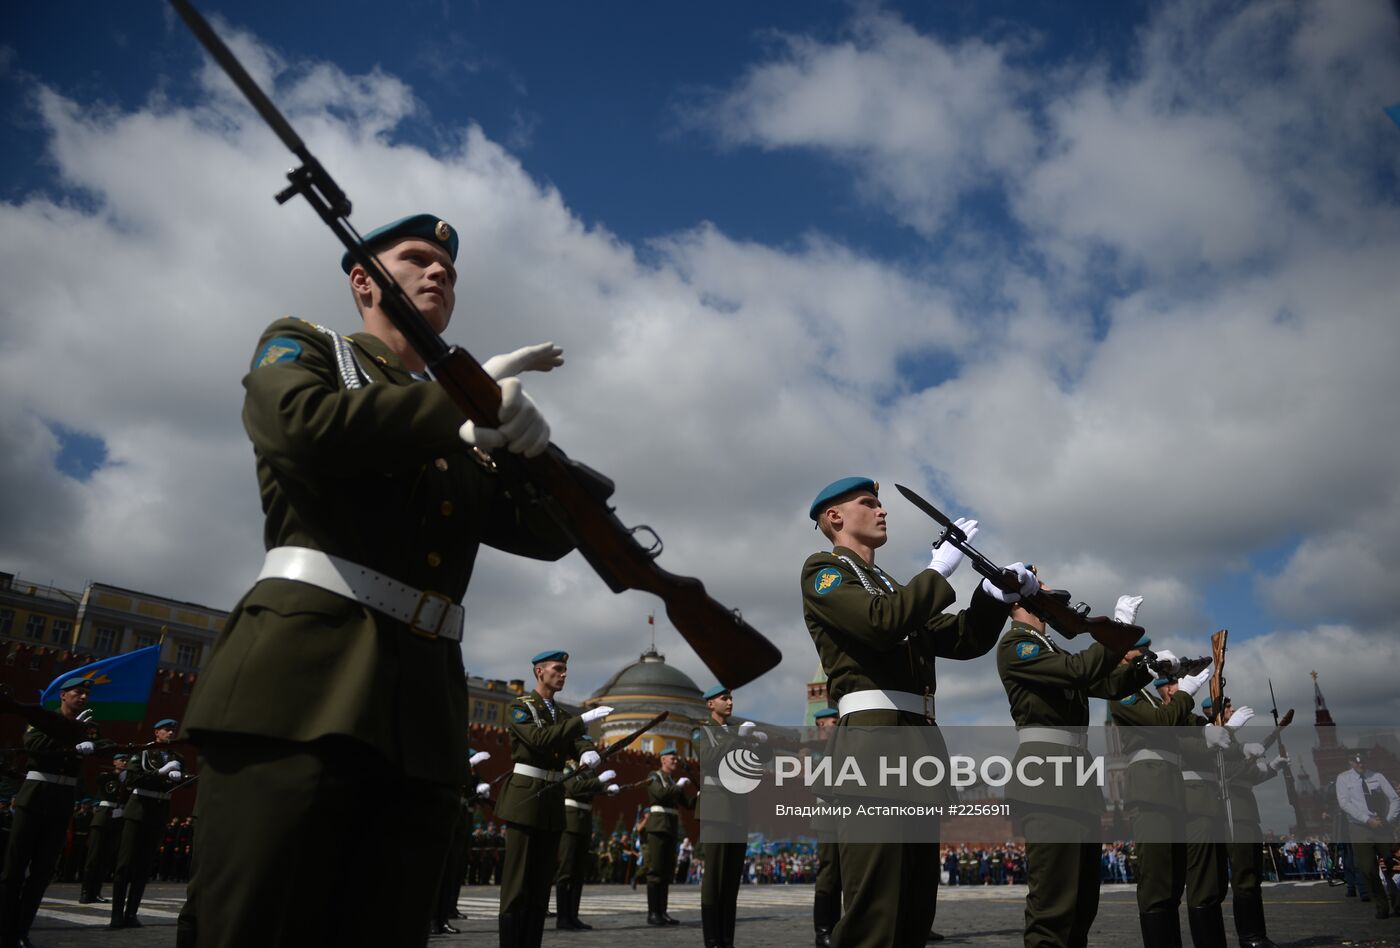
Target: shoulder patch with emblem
{"x":1026,"y":650}
{"x":697,"y":735}
{"x":827,"y":580}
{"x":1131,"y":699}
{"x":519,"y":715}
{"x":279,"y":349}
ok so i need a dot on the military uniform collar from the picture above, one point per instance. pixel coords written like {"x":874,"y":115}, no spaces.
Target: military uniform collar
{"x":376,"y":349}
{"x":847,"y":551}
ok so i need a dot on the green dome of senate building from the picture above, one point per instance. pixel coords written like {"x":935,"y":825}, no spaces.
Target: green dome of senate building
{"x":640,"y":691}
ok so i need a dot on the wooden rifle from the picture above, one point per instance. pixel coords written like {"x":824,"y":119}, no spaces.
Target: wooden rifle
{"x":573,"y":494}
{"x":1052,"y":605}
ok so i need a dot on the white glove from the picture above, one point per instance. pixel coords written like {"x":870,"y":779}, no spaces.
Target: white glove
{"x":1029,"y":584}
{"x":612,"y":789}
{"x":947,"y":558}
{"x":1192,"y":683}
{"x":483,"y":790}
{"x":523,"y":429}
{"x":1126,"y":609}
{"x":480,"y":757}
{"x":170,"y":766}
{"x":538,"y":358}
{"x":593,"y":714}
{"x":747,"y":729}
{"x":1252,"y":749}
{"x":1279,"y":762}
{"x":175,"y":775}
{"x":684,"y":781}
{"x":85,"y":748}
{"x":589,"y":759}
{"x":607,"y":775}
{"x":1240,"y":718}
{"x":1216,"y":736}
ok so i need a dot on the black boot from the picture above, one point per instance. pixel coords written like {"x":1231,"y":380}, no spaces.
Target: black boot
{"x":534,"y":931}
{"x":826,"y":912}
{"x":727,"y":917}
{"x":709,"y":925}
{"x":663,"y":896}
{"x":441,"y":927}
{"x":508,"y":925}
{"x":1207,"y":926}
{"x":118,"y":904}
{"x":563,"y":903}
{"x":933,"y":936}
{"x":133,"y":904}
{"x":1249,"y":921}
{"x":653,"y":905}
{"x":576,"y":897}
{"x":1160,"y":929}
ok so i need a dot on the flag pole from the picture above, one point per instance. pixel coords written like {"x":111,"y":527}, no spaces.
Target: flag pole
{"x":146,"y":708}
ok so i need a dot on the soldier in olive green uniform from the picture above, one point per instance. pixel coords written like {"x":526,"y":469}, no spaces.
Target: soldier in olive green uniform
{"x":1207,"y":830}
{"x":454,"y":868}
{"x":724,"y":816}
{"x":106,"y":829}
{"x":826,"y":894}
{"x":574,"y":846}
{"x":350,"y":641}
{"x":1246,"y":847}
{"x":878,"y":640}
{"x":1049,"y":689}
{"x":542,"y":737}
{"x":42,"y":808}
{"x":152,"y":775}
{"x":666,"y":794}
{"x":1153,"y":724}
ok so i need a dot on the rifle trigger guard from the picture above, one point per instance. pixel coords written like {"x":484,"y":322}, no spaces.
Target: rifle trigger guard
{"x":1081,"y":609}
{"x":656,"y":546}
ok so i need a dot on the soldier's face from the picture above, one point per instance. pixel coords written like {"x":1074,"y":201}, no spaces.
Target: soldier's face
{"x":1166,"y":691}
{"x":74,"y":699}
{"x":552,"y":675}
{"x":825,"y":724}
{"x":862,"y":517}
{"x":425,"y":272}
{"x":722,"y":705}
{"x":668,"y":764}
{"x":165,"y":734}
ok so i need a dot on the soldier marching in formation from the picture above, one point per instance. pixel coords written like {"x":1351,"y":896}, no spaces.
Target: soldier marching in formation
{"x":106,"y":830}
{"x":667,"y":794}
{"x":154,"y":773}
{"x":724,"y":816}
{"x":543,"y":736}
{"x":1246,"y":847}
{"x":878,"y":641}
{"x":459,"y":831}
{"x":1049,"y":691}
{"x":42,"y":809}
{"x":575,"y":843}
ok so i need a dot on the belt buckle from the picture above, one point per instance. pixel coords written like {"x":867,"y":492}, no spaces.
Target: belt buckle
{"x":423,"y":631}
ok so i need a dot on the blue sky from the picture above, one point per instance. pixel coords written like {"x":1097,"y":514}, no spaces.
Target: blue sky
{"x":1030,"y":255}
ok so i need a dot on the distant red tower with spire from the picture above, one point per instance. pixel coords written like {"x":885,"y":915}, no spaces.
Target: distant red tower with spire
{"x":1329,"y":757}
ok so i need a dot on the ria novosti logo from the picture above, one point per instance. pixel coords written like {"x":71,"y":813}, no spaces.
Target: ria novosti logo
{"x":740,"y":771}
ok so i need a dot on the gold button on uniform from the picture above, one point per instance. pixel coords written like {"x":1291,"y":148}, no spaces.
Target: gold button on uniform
{"x":446,"y":508}
{"x":434,"y":560}
{"x":440,"y":464}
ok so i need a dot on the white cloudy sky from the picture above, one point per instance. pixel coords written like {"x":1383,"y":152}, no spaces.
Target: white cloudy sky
{"x":1139,"y":319}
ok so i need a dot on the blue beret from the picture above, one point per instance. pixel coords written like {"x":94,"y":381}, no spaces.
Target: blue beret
{"x":120,"y":756}
{"x":1206,"y":703}
{"x":826,"y":713}
{"x":553,"y":655}
{"x":835,"y":489}
{"x":715,"y":692}
{"x":1143,"y":642}
{"x":1159,"y":682}
{"x":427,"y":227}
{"x":165,"y":722}
{"x":75,"y":683}
{"x":669,"y":749}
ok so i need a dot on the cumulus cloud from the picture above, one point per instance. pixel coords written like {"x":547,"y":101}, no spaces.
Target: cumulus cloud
{"x":1187,"y":360}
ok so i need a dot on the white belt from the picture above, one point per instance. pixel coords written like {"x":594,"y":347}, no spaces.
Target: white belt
{"x":51,"y":778}
{"x":539,"y":773}
{"x":102,"y":803}
{"x":577,"y":804}
{"x":877,"y":700}
{"x":428,"y":614}
{"x":116,"y":812}
{"x":1052,"y":735}
{"x":665,"y":809}
{"x":153,"y":794}
{"x":1193,"y":775}
{"x":1148,"y":753}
